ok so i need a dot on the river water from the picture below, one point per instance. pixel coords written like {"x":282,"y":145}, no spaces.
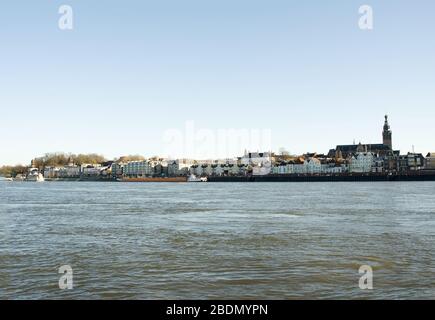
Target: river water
{"x":217,"y":241}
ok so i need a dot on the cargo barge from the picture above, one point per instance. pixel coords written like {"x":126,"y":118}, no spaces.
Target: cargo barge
{"x":154,"y":179}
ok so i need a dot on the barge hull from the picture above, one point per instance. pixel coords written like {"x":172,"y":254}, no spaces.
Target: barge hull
{"x":172,"y":179}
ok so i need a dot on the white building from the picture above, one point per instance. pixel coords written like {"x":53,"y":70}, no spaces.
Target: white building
{"x":138,"y":169}
{"x":378,"y":165}
{"x":261,"y":162}
{"x":70,"y":171}
{"x":179,"y":167}
{"x":361,"y":162}
{"x":332,"y":168}
{"x":313,"y":166}
{"x":257,"y":159}
{"x":51,"y":172}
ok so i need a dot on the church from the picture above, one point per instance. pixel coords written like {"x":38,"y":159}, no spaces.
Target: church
{"x":384,"y":149}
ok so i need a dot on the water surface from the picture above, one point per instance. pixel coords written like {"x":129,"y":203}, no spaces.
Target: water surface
{"x":217,"y":241}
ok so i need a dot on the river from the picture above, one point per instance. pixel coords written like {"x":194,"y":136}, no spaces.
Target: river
{"x":217,"y":241}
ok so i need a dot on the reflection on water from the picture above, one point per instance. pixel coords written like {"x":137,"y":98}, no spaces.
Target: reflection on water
{"x":220,"y":241}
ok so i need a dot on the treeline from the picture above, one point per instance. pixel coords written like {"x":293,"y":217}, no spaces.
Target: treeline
{"x":12,"y":171}
{"x":128,"y":158}
{"x":63,"y":159}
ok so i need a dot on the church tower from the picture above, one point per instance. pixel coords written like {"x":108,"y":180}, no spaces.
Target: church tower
{"x":387,"y":134}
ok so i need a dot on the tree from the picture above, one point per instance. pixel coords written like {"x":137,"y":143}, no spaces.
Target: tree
{"x":130,"y":157}
{"x":63,"y":159}
{"x":12,"y":171}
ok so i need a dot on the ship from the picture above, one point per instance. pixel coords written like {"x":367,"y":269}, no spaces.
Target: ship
{"x":34,"y":175}
{"x":153,"y":179}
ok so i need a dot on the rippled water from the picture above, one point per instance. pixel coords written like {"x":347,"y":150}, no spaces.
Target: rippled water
{"x":220,"y":241}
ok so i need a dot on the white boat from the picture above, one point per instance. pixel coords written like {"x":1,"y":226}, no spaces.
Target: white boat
{"x":194,"y":178}
{"x":35,"y":175}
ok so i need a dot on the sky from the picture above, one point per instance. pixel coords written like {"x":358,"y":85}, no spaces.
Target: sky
{"x":134,"y":77}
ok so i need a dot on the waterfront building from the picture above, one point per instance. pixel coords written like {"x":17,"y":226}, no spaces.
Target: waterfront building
{"x":179,"y":167}
{"x":136,"y":169}
{"x":383,"y":149}
{"x":90,"y":170}
{"x":430,"y":161}
{"x":260,"y":162}
{"x":234,"y":169}
{"x":402,"y":164}
{"x":313,"y":166}
{"x":51,"y":172}
{"x":207,"y":169}
{"x":198,"y":169}
{"x":378,"y":164}
{"x":361,"y":162}
{"x":69,"y":171}
{"x":256,"y":158}
{"x":117,"y":169}
{"x":298,"y":168}
{"x":387,"y":134}
{"x":331,"y":167}
{"x":391,"y":161}
{"x":310,"y":166}
{"x":410,"y":162}
{"x":280,"y":168}
{"x":220,"y":169}
{"x":262,"y":169}
{"x":159,"y":169}
{"x":243,"y":169}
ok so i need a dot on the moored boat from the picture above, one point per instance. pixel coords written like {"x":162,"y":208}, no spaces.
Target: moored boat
{"x":193,"y":178}
{"x":34,"y":176}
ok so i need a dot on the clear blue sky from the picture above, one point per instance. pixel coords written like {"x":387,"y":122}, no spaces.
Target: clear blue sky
{"x":130,"y":70}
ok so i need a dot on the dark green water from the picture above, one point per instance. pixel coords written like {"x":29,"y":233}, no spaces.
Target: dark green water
{"x":220,"y":241}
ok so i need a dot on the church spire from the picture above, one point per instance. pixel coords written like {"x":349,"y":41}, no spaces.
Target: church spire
{"x":387,"y":134}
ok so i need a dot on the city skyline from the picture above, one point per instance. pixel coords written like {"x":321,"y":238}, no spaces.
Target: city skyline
{"x":386,"y":144}
{"x":127,"y":73}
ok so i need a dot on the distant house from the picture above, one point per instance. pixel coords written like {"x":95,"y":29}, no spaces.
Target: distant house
{"x":256,"y":158}
{"x":415,"y":161}
{"x":313,"y":166}
{"x":179,"y":167}
{"x":134,"y":169}
{"x":361,"y":162}
{"x":430,"y":161}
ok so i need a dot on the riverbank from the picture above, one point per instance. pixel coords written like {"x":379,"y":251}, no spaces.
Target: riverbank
{"x":417,"y":176}
{"x":331,"y":178}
